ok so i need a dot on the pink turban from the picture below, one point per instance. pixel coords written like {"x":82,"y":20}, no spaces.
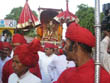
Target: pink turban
{"x":25,"y":56}
{"x":7,"y":45}
{"x":49,"y":45}
{"x":18,"y":38}
{"x":80,"y":34}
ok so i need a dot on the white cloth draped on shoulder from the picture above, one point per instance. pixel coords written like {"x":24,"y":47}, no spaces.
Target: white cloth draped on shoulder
{"x":28,"y":77}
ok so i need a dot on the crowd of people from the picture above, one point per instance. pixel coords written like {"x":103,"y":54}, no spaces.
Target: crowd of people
{"x":22,"y":62}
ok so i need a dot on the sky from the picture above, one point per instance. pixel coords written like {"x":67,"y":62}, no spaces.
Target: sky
{"x":7,"y":5}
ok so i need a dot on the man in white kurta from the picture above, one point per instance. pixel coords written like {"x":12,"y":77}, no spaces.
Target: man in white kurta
{"x":104,"y":55}
{"x":58,"y":65}
{"x":23,"y":59}
{"x":44,"y":61}
{"x":28,"y":77}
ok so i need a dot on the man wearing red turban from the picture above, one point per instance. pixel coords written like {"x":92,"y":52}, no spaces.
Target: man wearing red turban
{"x":6,"y":50}
{"x":17,"y":40}
{"x":45,"y":59}
{"x":35,"y":46}
{"x":78,"y":48}
{"x":1,"y":46}
{"x":23,"y":59}
{"x":35,"y":70}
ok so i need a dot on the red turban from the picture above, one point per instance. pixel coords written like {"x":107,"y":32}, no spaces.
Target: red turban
{"x":49,"y":45}
{"x":1,"y":45}
{"x":18,"y":38}
{"x":25,"y":56}
{"x":35,"y":46}
{"x":61,"y":51}
{"x":7,"y":45}
{"x":56,"y":46}
{"x":80,"y":34}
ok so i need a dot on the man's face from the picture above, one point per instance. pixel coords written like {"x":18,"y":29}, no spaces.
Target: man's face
{"x":1,"y":52}
{"x":48,"y":51}
{"x":18,"y":67}
{"x":7,"y":51}
{"x":14,"y":45}
{"x":70,"y":55}
{"x":3,"y":55}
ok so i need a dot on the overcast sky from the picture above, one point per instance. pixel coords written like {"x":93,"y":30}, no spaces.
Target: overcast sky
{"x":7,"y":5}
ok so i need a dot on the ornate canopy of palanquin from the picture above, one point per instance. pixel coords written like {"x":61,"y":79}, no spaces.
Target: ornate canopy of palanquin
{"x":27,"y":18}
{"x":50,"y":30}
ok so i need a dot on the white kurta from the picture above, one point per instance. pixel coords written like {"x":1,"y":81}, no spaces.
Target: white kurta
{"x":28,"y":77}
{"x":2,"y":62}
{"x":58,"y":65}
{"x":0,"y":81}
{"x":44,"y":61}
{"x":104,"y":56}
{"x":12,"y":53}
{"x":2,"y":38}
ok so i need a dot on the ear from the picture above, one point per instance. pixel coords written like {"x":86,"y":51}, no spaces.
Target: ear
{"x":75,"y":46}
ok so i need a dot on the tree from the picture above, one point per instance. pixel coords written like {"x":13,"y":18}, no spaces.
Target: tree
{"x":14,"y":14}
{"x":86,"y":16}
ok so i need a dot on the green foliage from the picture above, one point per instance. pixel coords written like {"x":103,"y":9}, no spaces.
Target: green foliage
{"x":101,"y":16}
{"x":30,"y":33}
{"x":86,"y":16}
{"x":35,"y":13}
{"x":14,"y":14}
{"x":18,"y":31}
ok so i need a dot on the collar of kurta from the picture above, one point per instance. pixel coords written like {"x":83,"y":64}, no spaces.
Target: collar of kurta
{"x":24,"y":75}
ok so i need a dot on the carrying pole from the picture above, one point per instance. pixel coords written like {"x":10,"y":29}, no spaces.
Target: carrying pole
{"x":67,"y":5}
{"x":98,"y":37}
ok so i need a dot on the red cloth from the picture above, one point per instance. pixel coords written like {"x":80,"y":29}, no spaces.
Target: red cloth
{"x":63,"y":44}
{"x":7,"y":45}
{"x":35,"y":46}
{"x":1,"y":45}
{"x":49,"y":45}
{"x":61,"y":51}
{"x":83,"y":74}
{"x":65,"y":16}
{"x":26,"y":17}
{"x":25,"y":56}
{"x":80,"y":34}
{"x":56,"y":46}
{"x":36,"y":71}
{"x":18,"y":38}
{"x":8,"y":70}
